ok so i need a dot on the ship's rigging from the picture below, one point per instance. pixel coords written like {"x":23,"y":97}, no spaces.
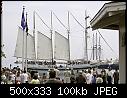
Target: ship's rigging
{"x":45,"y":51}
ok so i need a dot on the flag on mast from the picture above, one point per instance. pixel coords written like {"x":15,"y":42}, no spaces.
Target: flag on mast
{"x":26,"y":25}
{"x":26,"y":42}
{"x":23,"y":24}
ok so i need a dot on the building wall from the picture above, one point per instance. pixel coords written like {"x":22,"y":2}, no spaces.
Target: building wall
{"x":122,"y":53}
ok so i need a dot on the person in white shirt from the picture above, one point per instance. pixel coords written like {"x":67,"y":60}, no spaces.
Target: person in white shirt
{"x":89,"y":77}
{"x":18,"y":78}
{"x":109,"y":76}
{"x":91,"y":71}
{"x":25,"y":77}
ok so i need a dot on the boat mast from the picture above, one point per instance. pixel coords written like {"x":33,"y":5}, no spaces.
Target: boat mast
{"x":34,"y":34}
{"x":23,"y":44}
{"x":99,"y":48}
{"x":26,"y":44}
{"x":51,"y":39}
{"x":68,"y":37}
{"x":86,"y":52}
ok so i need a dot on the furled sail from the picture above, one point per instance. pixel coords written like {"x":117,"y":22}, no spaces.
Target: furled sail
{"x":61,"y":50}
{"x":44,"y":50}
{"x":30,"y":45}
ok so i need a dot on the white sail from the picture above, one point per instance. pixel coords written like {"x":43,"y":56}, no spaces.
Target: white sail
{"x":44,"y":50}
{"x":61,"y":50}
{"x":30,"y":45}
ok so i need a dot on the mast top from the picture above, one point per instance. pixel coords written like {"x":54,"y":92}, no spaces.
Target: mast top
{"x":23,"y":7}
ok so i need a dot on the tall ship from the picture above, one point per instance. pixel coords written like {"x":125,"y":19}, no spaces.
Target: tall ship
{"x":41,"y":52}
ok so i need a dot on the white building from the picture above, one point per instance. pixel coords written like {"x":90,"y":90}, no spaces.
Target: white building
{"x":112,"y":16}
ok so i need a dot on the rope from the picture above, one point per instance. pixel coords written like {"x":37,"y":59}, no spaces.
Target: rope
{"x":59,"y":20}
{"x":43,"y":21}
{"x":106,"y":41}
{"x":77,"y":20}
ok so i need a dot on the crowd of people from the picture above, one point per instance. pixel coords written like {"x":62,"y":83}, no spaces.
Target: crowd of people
{"x":87,"y":76}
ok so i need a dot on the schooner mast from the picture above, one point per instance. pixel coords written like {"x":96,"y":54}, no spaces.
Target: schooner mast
{"x":26,"y":44}
{"x":99,"y":49}
{"x":34,"y":34}
{"x":96,"y":49}
{"x":86,"y":27}
{"x":39,"y":55}
{"x":68,"y":38}
{"x":51,"y":39}
{"x":23,"y":26}
{"x":62,"y":43}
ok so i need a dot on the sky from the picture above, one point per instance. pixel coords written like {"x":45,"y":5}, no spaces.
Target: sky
{"x":11,"y":19}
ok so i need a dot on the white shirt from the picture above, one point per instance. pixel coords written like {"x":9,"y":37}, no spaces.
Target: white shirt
{"x":84,"y":74}
{"x":89,"y":78}
{"x":18,"y":78}
{"x":13,"y":77}
{"x":47,"y":76}
{"x":38,"y":75}
{"x":25,"y":75}
{"x":91,"y":71}
{"x":22,"y":77}
{"x":57,"y":72}
{"x":110,"y":73}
